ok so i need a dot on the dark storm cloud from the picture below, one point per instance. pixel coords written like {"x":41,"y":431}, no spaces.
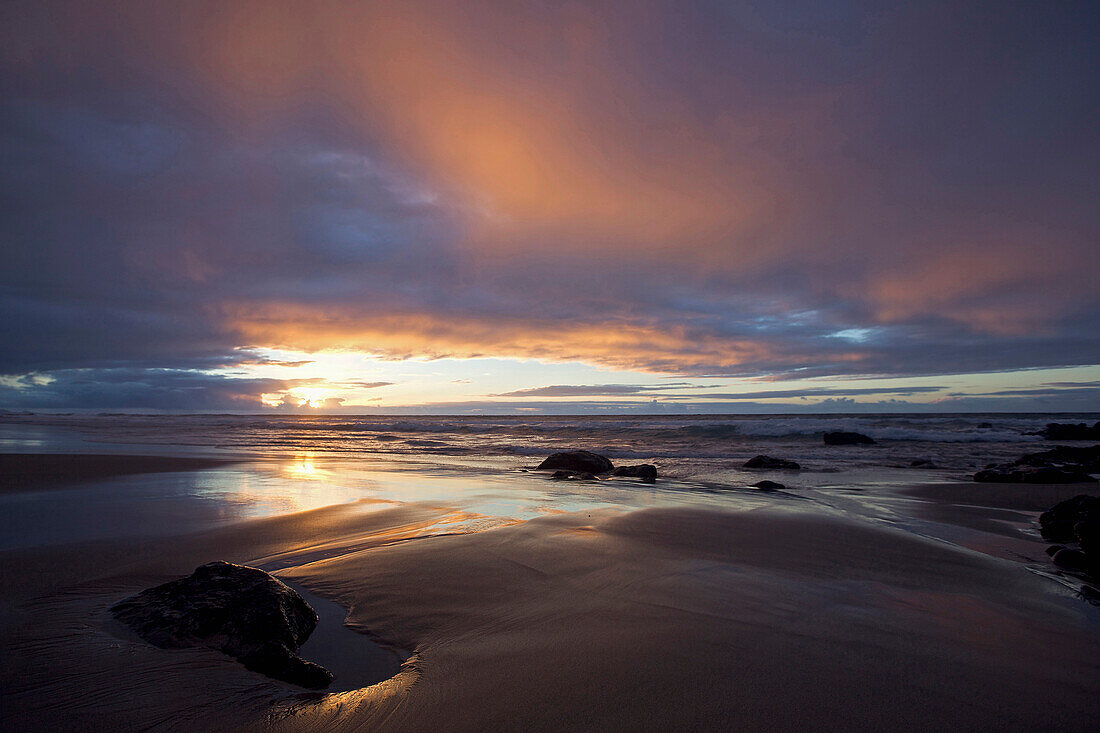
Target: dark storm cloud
{"x":695,"y":188}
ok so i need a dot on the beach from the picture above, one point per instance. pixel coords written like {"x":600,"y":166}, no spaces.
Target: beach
{"x":865,"y":600}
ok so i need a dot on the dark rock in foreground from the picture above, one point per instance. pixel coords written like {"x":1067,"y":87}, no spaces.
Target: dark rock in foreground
{"x":1087,"y":532}
{"x":842,"y":438}
{"x":769,"y":486}
{"x":1069,"y":431}
{"x":768,"y":462}
{"x":1033,"y":475}
{"x":1058,"y":523}
{"x":1076,"y":519}
{"x":577,"y":460}
{"x":240,"y":611}
{"x":645,"y":471}
{"x":1074,"y":560}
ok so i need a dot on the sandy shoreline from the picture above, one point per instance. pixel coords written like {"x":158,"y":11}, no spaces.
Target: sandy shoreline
{"x":651,"y":619}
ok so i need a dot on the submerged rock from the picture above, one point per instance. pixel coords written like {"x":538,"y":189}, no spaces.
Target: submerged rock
{"x":645,"y":471}
{"x":781,"y":464}
{"x":769,"y":486}
{"x":577,"y":460}
{"x":240,"y":611}
{"x":843,"y":438}
{"x":1033,"y":475}
{"x":1070,"y":431}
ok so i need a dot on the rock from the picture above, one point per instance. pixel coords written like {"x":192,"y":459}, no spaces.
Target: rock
{"x":1087,"y":532}
{"x":1053,"y":550}
{"x":573,"y":475}
{"x":240,"y":611}
{"x":1057,"y":523}
{"x":645,"y":471}
{"x":577,"y":460}
{"x":769,"y":486}
{"x":1085,"y":458}
{"x":1069,"y":431}
{"x":275,"y":660}
{"x":781,"y":464}
{"x":843,"y":438}
{"x":922,"y":463}
{"x":1033,"y":475}
{"x":1071,"y":560}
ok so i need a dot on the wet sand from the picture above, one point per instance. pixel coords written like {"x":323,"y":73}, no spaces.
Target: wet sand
{"x":778,"y":617}
{"x":21,"y":471}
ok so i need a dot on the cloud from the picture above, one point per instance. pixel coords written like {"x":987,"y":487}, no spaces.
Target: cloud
{"x":699,"y":188}
{"x":125,"y":388}
{"x":593,"y":390}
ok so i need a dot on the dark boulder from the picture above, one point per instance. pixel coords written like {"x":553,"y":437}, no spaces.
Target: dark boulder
{"x":274,"y":660}
{"x":1074,"y":560}
{"x":842,"y":438}
{"x":1070,"y":431}
{"x":769,"y":486}
{"x":577,"y":460}
{"x":645,"y":471}
{"x":1087,"y":532}
{"x":240,"y":611}
{"x":1032,"y":475}
{"x":1057,"y":523}
{"x":781,"y":464}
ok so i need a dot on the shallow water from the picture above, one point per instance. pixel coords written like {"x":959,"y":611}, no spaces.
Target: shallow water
{"x":355,"y":659}
{"x":687,"y":447}
{"x":481,"y":465}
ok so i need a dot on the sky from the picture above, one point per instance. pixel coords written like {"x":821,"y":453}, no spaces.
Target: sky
{"x":562,"y":207}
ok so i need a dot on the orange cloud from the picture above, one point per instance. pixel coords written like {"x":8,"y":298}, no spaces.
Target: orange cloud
{"x":618,"y":344}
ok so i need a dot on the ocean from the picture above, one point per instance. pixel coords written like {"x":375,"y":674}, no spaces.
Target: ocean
{"x":683,"y":447}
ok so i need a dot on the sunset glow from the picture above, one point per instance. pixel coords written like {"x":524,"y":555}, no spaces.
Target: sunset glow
{"x":567,"y":194}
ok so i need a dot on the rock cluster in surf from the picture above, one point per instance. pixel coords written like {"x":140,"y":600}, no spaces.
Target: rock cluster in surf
{"x":237,"y":610}
{"x":584,"y":465}
{"x":767,"y":462}
{"x":1070,"y":431}
{"x":1060,"y":465}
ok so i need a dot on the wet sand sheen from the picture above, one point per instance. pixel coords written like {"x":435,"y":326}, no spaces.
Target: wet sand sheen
{"x":662,"y":618}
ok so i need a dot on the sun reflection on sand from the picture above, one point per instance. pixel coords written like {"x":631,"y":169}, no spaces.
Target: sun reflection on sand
{"x":304,"y":467}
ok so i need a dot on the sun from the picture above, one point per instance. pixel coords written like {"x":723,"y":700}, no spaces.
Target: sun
{"x":310,"y":396}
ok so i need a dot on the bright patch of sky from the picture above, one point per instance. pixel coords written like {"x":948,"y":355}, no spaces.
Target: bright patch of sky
{"x":366,"y":381}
